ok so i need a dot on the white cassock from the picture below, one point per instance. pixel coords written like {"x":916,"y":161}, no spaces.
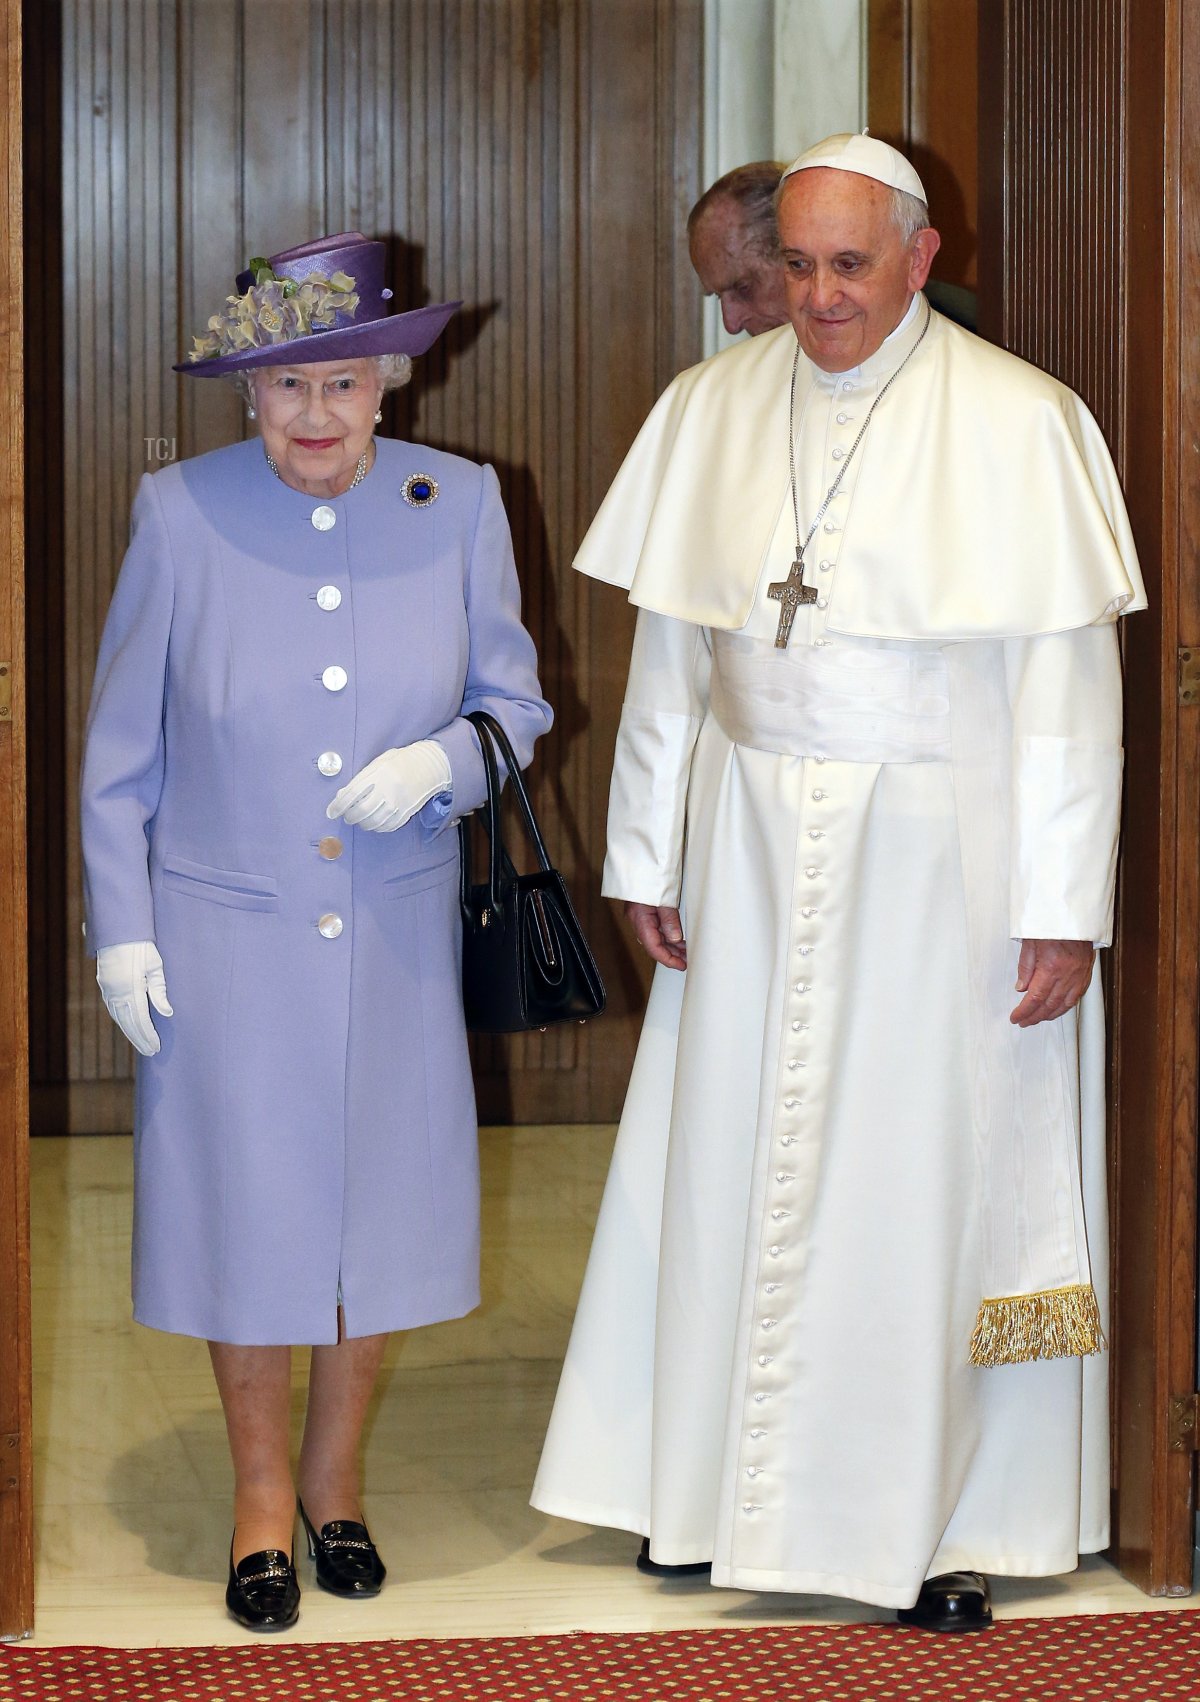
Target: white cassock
{"x":768,"y":1367}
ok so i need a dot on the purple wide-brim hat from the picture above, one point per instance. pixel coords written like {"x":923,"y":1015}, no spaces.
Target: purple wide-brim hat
{"x":370,"y":330}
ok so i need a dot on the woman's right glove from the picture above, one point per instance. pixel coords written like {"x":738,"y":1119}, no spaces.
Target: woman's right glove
{"x":131,"y":979}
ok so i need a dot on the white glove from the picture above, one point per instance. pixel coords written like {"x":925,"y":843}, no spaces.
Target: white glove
{"x":389,"y":791}
{"x":131,"y":979}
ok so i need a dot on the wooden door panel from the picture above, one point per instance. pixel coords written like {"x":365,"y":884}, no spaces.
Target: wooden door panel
{"x":16,"y":1448}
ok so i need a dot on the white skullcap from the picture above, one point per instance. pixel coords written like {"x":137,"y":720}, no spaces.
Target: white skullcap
{"x":865,"y":155}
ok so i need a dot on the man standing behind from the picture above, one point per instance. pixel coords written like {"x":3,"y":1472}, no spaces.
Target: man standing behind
{"x":734,"y":247}
{"x":842,"y":1324}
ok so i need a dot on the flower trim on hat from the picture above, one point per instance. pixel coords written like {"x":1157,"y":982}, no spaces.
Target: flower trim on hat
{"x":275,"y":310}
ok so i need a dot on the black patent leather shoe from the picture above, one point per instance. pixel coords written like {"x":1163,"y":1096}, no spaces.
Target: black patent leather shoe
{"x":348,"y":1562}
{"x":953,"y":1601}
{"x":263,"y":1593}
{"x":659,"y":1569}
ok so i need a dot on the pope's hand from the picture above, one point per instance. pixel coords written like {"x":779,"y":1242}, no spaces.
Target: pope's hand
{"x":131,"y":979}
{"x":389,"y":791}
{"x":1054,"y":976}
{"x":660,"y":932}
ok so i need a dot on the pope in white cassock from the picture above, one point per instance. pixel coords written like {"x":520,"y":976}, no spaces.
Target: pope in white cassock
{"x":842,"y":1328}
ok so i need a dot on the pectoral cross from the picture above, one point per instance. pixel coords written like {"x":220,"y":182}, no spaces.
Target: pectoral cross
{"x":790,"y":593}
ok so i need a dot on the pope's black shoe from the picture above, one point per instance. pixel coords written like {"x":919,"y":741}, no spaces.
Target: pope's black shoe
{"x":658,"y":1569}
{"x":262,"y":1593}
{"x":953,"y":1601}
{"x":348,"y":1562}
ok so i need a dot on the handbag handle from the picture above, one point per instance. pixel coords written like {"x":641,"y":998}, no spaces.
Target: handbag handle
{"x":492,"y":737}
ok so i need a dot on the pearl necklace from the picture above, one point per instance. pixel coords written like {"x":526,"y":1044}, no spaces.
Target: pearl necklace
{"x":360,"y":472}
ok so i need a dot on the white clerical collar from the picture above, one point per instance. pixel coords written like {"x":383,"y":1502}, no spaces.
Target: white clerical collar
{"x":886,"y":357}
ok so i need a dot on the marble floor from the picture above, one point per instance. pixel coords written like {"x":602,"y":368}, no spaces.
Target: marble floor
{"x":133,"y":1483}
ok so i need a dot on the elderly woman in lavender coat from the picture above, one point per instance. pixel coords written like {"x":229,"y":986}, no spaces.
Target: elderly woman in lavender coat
{"x":276,"y":751}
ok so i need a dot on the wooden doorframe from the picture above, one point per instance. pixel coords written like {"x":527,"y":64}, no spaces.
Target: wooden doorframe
{"x":1157,"y":988}
{"x":16,"y":1476}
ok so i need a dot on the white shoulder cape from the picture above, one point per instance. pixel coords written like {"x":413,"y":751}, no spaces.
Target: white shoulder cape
{"x":987,"y":505}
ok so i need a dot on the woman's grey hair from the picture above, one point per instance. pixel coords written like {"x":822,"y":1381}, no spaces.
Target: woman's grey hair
{"x":394,"y":372}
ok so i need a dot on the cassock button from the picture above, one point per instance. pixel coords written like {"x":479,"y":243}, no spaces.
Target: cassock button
{"x":774,"y":1252}
{"x":334,"y":679}
{"x":818,"y":796}
{"x":329,"y":598}
{"x":822,"y":602}
{"x":842,"y":418}
{"x":324,"y":518}
{"x":330,"y":926}
{"x":826,"y":566}
{"x":753,"y":1471}
{"x":810,"y":872}
{"x":330,"y":848}
{"x":330,"y":763}
{"x":829,"y":526}
{"x":847,"y":385}
{"x":838,"y":453}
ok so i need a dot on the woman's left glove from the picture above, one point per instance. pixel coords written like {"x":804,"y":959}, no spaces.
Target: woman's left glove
{"x":389,"y":791}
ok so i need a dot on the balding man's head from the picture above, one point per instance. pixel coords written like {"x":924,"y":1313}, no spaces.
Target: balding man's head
{"x":734,"y":249}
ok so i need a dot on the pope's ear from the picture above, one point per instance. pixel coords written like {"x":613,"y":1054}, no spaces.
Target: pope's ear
{"x":924,"y":246}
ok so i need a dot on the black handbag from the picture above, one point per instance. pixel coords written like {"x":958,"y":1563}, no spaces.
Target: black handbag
{"x":525,"y":962}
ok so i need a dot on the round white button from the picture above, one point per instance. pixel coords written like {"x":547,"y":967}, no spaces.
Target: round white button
{"x":847,"y":385}
{"x":329,"y":597}
{"x":826,"y":566}
{"x":330,"y":925}
{"x":842,"y":418}
{"x":334,"y":679}
{"x":822,"y":602}
{"x":829,"y":526}
{"x":818,"y":795}
{"x":329,"y":762}
{"x":838,"y":453}
{"x":324,"y":518}
{"x":812,"y":873}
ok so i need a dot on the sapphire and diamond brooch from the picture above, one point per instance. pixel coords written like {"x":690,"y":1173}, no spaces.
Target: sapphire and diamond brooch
{"x":420,"y":490}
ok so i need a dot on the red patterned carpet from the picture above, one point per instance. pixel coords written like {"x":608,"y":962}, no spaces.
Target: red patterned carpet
{"x":1137,"y":1657}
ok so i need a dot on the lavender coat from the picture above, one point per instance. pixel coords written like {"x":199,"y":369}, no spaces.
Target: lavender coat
{"x":310,"y":1119}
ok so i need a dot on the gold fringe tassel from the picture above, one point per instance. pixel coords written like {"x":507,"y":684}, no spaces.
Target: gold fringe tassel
{"x":1057,"y":1323}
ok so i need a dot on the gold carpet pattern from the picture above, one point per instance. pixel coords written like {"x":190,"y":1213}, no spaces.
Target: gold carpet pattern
{"x":1130,"y":1657}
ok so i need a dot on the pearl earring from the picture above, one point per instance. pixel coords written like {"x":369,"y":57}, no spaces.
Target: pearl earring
{"x":378,"y":416}
{"x":251,"y":413}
